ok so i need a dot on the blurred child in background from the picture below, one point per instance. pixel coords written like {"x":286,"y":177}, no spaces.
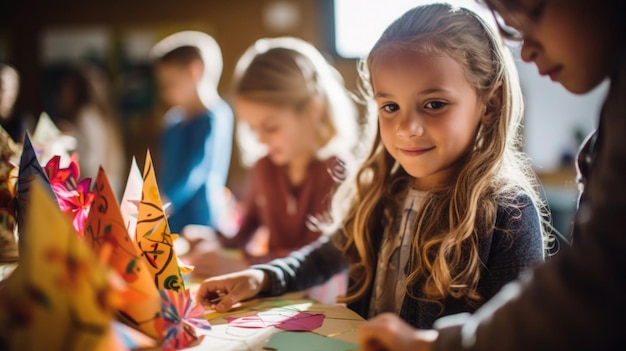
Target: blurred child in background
{"x":197,"y":138}
{"x":295,"y":103}
{"x":12,"y":121}
{"x":87,"y":112}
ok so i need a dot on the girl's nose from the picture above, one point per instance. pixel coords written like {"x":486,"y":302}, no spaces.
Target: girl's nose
{"x":410,"y":126}
{"x":530,"y":50}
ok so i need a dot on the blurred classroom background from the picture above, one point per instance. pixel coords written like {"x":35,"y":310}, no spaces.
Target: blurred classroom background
{"x":43,"y":39}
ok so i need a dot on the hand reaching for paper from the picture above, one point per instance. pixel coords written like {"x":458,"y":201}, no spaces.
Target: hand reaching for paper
{"x":222,"y":292}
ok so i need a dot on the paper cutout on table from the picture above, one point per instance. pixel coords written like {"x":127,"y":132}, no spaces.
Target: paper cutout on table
{"x":288,"y":340}
{"x":155,"y":241}
{"x":252,"y":306}
{"x":59,"y":297}
{"x":29,"y":170}
{"x":141,"y":307}
{"x":184,"y":324}
{"x":73,"y":196}
{"x":130,"y":200}
{"x":301,"y":321}
{"x":48,"y":141}
{"x":9,"y":158}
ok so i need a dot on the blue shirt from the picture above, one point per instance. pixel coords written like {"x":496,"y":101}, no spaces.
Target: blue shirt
{"x":195,"y":157}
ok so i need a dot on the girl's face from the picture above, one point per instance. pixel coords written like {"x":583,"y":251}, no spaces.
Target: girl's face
{"x":287,"y":133}
{"x":569,"y":41}
{"x":428,"y":113}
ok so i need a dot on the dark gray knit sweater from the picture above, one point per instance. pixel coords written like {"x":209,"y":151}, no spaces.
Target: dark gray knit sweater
{"x":515,"y":244}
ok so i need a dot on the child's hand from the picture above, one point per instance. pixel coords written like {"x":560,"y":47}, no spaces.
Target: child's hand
{"x":224,"y":291}
{"x":388,"y":332}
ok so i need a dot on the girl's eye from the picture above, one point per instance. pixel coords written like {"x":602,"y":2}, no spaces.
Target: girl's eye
{"x":435,"y":105}
{"x":535,"y":10}
{"x":390,"y":108}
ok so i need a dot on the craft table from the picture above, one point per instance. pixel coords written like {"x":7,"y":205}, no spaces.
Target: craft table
{"x":338,"y":331}
{"x":340,"y":325}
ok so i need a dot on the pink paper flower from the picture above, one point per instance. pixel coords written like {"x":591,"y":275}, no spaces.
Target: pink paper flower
{"x":74,"y":198}
{"x":183,"y":320}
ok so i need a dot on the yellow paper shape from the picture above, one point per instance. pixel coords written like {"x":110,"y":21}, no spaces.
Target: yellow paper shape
{"x":153,"y":234}
{"x":141,"y":307}
{"x":58,"y":298}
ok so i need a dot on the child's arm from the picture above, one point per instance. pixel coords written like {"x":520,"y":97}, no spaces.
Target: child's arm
{"x":309,"y":266}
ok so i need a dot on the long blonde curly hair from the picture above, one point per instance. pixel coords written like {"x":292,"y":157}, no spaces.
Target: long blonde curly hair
{"x":444,"y":260}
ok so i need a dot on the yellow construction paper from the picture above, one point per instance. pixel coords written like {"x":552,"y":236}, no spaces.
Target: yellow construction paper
{"x":153,"y":234}
{"x":59,"y":297}
{"x":141,"y":307}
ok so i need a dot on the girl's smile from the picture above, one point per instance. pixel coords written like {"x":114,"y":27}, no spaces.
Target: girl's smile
{"x":415,"y":151}
{"x":428,"y":113}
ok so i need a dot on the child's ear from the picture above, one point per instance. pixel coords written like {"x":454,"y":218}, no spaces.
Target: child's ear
{"x":493,"y":103}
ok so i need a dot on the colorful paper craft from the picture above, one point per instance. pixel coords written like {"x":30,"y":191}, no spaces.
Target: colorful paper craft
{"x":184,"y":321}
{"x":141,"y":307}
{"x":153,"y":235}
{"x":59,"y":297}
{"x":73,"y":196}
{"x":130,"y":200}
{"x":48,"y":141}
{"x":29,"y":170}
{"x":287,"y":341}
